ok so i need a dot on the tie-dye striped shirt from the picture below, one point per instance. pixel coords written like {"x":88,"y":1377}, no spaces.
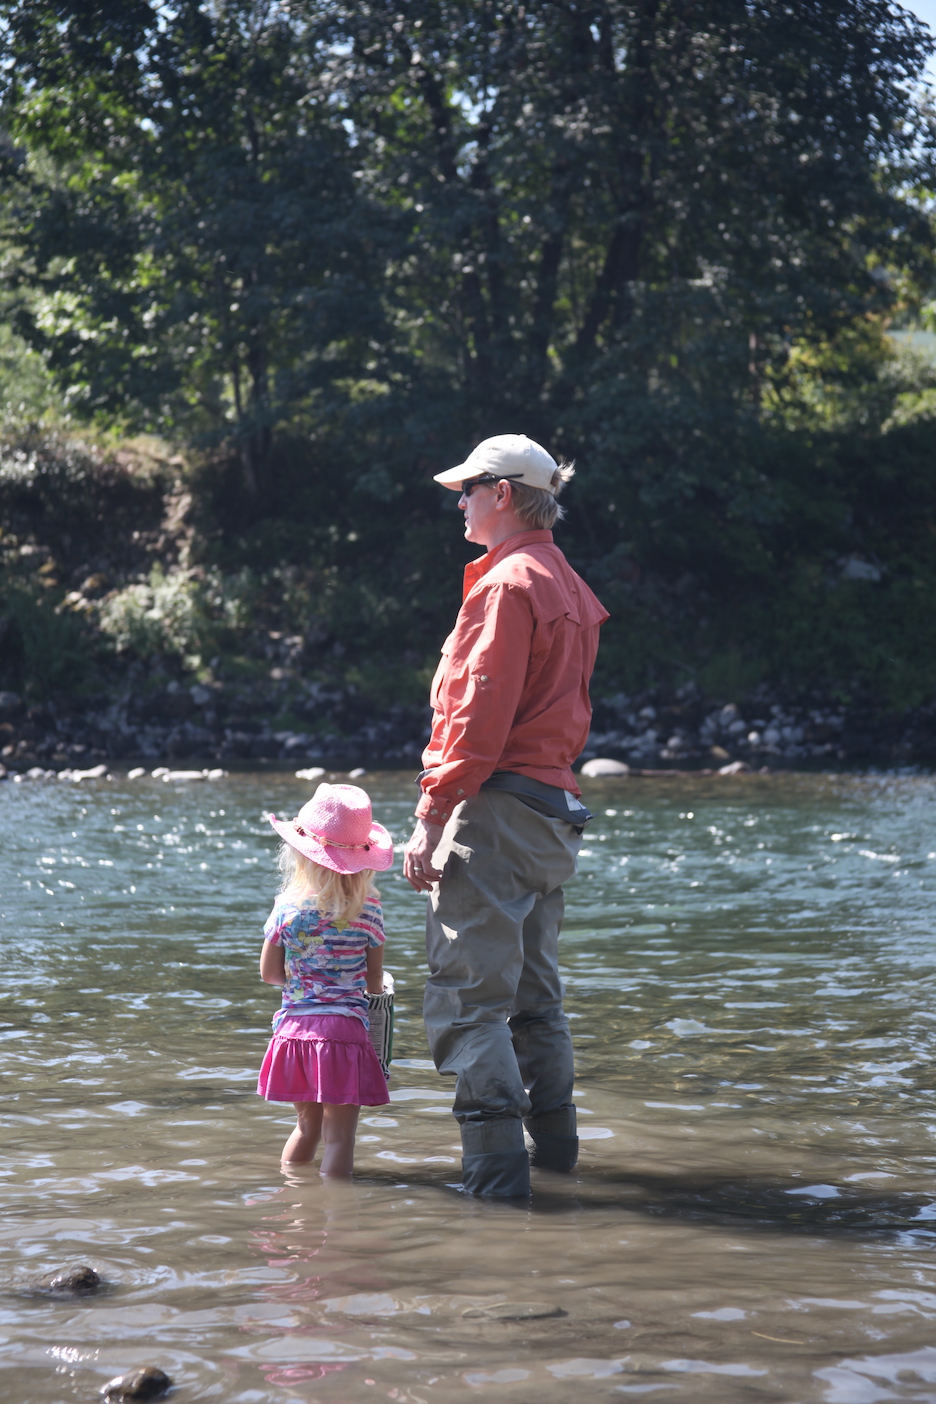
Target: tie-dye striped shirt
{"x":326,"y":965}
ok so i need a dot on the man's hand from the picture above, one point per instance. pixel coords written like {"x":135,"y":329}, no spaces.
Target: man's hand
{"x":417,"y":857}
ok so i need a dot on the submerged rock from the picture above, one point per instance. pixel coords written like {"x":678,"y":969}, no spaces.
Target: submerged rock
{"x":80,"y":1280}
{"x":146,"y":1383}
{"x":513,"y":1311}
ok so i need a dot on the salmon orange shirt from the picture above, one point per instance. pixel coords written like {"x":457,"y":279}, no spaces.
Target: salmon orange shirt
{"x":511,"y":690}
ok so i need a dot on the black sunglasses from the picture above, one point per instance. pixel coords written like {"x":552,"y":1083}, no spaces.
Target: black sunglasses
{"x":469,"y":486}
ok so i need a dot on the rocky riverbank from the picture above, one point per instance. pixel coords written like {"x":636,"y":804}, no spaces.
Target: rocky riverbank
{"x":211,"y":726}
{"x":690,"y":732}
{"x":208,"y":725}
{"x":155,"y":636}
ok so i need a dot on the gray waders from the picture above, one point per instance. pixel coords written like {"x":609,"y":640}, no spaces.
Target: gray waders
{"x":493,"y":1002}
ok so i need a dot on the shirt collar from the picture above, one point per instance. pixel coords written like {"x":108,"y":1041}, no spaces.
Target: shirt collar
{"x":477,"y":569}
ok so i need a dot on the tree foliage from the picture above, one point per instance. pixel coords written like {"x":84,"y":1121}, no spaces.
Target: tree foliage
{"x":349,"y":241}
{"x":192,"y":223}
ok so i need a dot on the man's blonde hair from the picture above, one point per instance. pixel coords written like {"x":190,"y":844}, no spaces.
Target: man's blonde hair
{"x":537,"y":508}
{"x":338,"y":895}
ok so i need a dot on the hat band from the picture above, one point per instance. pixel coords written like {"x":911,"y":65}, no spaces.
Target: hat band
{"x":323,"y":839}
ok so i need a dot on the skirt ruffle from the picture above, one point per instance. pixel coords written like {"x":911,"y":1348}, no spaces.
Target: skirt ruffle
{"x":322,"y":1059}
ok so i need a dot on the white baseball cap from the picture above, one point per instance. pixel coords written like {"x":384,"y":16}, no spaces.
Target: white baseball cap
{"x":511,"y":456}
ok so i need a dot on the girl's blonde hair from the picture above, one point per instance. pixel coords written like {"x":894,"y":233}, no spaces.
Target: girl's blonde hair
{"x":338,"y":895}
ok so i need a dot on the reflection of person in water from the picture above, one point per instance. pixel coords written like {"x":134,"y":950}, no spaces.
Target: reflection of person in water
{"x":332,"y":1253}
{"x":317,"y":1249}
{"x":324,"y":946}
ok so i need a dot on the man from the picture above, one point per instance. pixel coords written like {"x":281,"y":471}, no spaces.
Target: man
{"x":499,"y":823}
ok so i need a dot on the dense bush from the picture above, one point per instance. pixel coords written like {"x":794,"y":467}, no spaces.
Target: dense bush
{"x":43,"y":652}
{"x":75,"y":519}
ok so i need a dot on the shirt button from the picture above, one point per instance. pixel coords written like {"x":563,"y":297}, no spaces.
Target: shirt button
{"x":461,"y":792}
{"x":484,"y":677}
{"x":435,"y":811}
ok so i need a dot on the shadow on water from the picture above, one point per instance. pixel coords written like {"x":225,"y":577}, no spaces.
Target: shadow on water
{"x":766,"y":1202}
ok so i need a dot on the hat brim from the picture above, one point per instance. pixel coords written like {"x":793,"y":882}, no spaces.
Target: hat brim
{"x":454,"y":477}
{"x":378,"y":854}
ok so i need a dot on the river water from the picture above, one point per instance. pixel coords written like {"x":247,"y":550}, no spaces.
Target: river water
{"x":750,"y":967}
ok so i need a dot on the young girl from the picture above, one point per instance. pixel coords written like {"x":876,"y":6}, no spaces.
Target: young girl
{"x":324,"y":945}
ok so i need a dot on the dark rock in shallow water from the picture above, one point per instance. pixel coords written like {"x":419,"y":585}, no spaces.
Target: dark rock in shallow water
{"x":145,"y":1383}
{"x":74,"y":1281}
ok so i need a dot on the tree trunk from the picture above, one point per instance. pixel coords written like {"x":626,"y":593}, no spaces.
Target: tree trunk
{"x":635,"y":131}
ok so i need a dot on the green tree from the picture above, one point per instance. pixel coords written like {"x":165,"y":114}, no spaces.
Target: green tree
{"x":188,"y":217}
{"x":663,"y":236}
{"x":624,"y":215}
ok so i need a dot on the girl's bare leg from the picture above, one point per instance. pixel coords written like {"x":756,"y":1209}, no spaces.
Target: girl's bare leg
{"x":303,"y":1143}
{"x":339,"y":1124}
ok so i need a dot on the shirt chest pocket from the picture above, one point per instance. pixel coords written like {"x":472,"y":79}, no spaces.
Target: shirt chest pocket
{"x":554,"y":638}
{"x":442,"y":675}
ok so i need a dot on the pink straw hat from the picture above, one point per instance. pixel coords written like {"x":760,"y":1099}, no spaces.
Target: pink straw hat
{"x":336,"y":830}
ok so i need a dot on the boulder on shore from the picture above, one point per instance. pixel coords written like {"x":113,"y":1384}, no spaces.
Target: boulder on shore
{"x":11,"y":704}
{"x":313,"y":772}
{"x":603,"y":766}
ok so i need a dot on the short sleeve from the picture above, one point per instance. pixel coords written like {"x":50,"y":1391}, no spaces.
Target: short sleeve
{"x":371,"y":921}
{"x":276,"y":926}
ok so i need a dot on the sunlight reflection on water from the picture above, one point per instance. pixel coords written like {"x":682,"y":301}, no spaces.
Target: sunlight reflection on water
{"x":750,"y":968}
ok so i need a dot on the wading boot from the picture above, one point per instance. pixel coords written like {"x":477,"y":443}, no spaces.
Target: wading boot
{"x":552,"y":1140}
{"x":495,"y":1162}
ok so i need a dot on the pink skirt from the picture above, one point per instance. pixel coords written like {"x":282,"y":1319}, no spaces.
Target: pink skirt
{"x":322,"y":1058}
